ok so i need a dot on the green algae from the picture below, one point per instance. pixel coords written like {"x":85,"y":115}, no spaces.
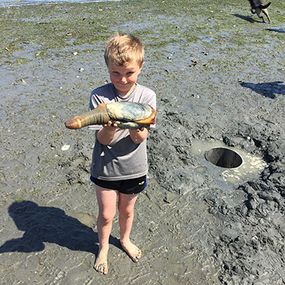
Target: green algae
{"x":56,"y":26}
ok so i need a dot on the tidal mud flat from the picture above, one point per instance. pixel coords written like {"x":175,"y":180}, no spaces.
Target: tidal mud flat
{"x":219,"y":77}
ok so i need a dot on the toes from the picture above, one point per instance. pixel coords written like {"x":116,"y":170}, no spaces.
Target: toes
{"x":134,"y":255}
{"x":102,"y":268}
{"x":137,"y":257}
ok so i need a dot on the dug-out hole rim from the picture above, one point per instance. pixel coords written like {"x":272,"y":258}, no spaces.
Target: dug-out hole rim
{"x":223,"y":157}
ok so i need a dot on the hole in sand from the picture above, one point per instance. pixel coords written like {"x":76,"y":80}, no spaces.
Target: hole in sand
{"x":223,"y":157}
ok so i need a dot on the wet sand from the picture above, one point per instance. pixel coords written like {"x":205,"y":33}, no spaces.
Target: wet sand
{"x":219,"y":78}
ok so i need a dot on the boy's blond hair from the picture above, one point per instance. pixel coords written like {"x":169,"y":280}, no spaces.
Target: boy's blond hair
{"x":124,"y":48}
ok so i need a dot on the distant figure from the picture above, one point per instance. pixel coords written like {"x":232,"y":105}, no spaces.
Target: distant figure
{"x":258,"y":7}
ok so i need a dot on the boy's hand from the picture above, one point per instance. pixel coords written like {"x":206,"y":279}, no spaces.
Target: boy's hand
{"x":110,"y":126}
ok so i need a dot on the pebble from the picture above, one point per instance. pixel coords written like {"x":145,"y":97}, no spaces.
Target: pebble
{"x":65,"y":147}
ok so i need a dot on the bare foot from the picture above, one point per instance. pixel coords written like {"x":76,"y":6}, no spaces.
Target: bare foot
{"x":101,"y":264}
{"x":132,"y":251}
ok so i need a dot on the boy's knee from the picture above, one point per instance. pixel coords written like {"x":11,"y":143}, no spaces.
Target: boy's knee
{"x":106,"y":218}
{"x":126,"y":212}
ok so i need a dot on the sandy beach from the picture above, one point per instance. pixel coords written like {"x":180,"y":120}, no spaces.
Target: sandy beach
{"x":218,"y":72}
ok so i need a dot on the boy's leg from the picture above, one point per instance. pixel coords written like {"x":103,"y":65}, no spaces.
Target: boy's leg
{"x":107,"y":201}
{"x":126,"y":207}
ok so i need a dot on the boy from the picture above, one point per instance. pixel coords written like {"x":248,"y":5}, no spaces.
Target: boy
{"x":119,"y":161}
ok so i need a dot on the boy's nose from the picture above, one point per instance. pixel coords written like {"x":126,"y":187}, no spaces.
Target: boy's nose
{"x":124,"y":79}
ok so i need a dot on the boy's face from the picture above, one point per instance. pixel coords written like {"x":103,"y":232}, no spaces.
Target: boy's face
{"x":124,"y":77}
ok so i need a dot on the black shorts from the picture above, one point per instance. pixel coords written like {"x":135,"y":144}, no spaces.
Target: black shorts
{"x":130,"y":186}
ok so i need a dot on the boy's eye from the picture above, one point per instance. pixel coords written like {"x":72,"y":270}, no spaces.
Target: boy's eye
{"x":115,"y":73}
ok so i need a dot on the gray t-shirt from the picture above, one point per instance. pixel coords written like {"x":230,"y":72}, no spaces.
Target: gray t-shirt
{"x":122,"y":159}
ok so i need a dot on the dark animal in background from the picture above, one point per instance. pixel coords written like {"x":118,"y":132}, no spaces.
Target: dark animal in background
{"x":258,"y":7}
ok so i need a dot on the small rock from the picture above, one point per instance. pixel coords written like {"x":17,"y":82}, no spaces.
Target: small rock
{"x":65,"y":147}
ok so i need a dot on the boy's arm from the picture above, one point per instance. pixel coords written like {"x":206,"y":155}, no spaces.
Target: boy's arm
{"x":106,"y":134}
{"x":138,"y":135}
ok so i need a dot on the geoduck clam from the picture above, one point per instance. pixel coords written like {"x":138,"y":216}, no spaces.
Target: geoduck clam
{"x":125,"y":115}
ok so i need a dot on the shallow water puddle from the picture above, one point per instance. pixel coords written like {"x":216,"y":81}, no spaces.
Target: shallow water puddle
{"x":248,"y":166}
